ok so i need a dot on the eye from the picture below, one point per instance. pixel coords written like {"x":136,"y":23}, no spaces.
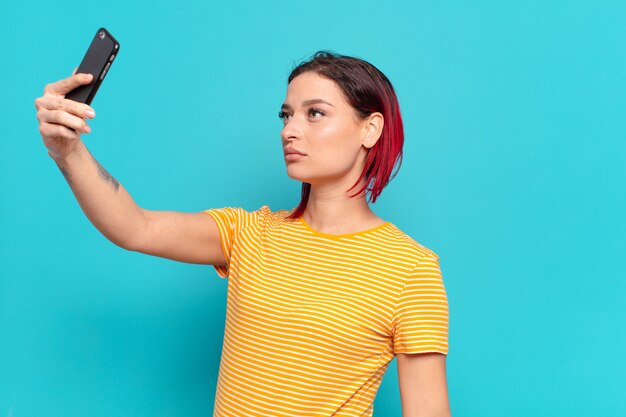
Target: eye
{"x":283,"y":115}
{"x":314,"y":111}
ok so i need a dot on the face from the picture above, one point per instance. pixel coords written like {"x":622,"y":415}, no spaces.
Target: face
{"x":319,"y":124}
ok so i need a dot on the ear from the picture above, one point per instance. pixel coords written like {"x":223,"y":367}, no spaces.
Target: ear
{"x":372,"y":129}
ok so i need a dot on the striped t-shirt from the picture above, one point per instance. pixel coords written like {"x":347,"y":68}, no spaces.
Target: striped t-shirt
{"x":313,"y":319}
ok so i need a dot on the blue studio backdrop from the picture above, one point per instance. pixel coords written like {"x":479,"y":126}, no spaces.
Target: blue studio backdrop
{"x":513,"y":172}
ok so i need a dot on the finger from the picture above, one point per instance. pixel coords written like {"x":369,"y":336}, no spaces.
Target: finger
{"x":51,"y":102}
{"x":66,"y":85}
{"x":52,"y":130}
{"x":63,"y":118}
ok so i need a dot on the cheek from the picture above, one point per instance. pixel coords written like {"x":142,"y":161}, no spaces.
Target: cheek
{"x":333,"y":139}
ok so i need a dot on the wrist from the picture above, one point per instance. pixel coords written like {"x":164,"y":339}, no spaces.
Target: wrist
{"x":67,"y":156}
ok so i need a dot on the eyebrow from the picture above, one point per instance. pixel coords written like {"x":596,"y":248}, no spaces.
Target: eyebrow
{"x":286,"y":106}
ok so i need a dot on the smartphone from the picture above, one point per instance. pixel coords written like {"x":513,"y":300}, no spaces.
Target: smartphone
{"x":97,"y":61}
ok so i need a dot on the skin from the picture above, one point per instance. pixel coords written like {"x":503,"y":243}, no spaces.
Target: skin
{"x":423,"y":386}
{"x":180,"y":236}
{"x":336,"y":142}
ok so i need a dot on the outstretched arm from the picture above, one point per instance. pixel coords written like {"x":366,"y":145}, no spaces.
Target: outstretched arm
{"x":185,"y":237}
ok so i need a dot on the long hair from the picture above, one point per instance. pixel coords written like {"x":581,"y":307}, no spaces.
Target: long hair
{"x":367,"y":90}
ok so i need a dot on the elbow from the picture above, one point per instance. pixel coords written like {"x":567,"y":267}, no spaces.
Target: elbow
{"x":124,"y":239}
{"x":130,"y":244}
{"x":135,"y":240}
{"x":123,"y":243}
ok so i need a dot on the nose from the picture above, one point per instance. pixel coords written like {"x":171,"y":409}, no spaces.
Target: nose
{"x":290,"y":130}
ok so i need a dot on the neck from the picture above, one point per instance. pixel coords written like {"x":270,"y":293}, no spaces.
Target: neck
{"x":331,"y":210}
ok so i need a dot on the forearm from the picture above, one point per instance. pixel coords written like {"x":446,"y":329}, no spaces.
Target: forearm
{"x":102,"y":198}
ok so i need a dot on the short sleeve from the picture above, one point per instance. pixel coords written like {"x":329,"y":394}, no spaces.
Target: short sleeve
{"x":230,"y":222}
{"x":420,"y":319}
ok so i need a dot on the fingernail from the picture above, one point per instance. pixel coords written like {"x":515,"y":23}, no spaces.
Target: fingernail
{"x":90,"y":113}
{"x":87,"y":76}
{"x":86,"y":129}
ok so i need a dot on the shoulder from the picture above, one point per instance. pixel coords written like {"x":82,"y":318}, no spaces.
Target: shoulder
{"x":399,"y":241}
{"x":265,"y":213}
{"x":264,"y":218}
{"x":240,"y":218}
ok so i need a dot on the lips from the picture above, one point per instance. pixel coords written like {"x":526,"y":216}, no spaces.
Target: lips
{"x":289,"y":151}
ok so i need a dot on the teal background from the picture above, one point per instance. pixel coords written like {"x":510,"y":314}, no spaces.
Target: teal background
{"x":514,"y":169}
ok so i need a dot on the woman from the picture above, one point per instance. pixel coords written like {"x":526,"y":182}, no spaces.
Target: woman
{"x":320,"y":298}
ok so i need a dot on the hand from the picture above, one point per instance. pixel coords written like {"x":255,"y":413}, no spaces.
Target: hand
{"x":61,"y":121}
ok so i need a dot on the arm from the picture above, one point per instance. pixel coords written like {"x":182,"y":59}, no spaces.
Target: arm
{"x":423,"y":387}
{"x":186,"y":237}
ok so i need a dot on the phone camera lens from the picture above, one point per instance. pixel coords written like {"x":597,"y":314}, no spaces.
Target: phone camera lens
{"x":101,"y":34}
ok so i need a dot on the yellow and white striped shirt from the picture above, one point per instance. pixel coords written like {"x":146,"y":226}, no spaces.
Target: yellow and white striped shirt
{"x":314,"y":319}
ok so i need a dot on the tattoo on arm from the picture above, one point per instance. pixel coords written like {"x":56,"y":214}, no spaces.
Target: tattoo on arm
{"x":104,"y":174}
{"x":101,"y":171}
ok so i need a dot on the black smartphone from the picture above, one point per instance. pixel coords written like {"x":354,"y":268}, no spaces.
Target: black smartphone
{"x":97,"y":61}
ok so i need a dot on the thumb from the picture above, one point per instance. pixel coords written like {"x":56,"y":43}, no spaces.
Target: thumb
{"x":66,"y":85}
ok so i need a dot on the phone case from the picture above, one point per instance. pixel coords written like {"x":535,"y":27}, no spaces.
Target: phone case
{"x":97,"y":61}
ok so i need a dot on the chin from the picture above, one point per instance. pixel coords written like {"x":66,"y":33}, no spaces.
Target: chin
{"x":294,"y":172}
{"x":297,"y":177}
{"x":313,"y":180}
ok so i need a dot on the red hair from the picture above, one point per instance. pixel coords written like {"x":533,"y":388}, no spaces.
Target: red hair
{"x":367,"y":90}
